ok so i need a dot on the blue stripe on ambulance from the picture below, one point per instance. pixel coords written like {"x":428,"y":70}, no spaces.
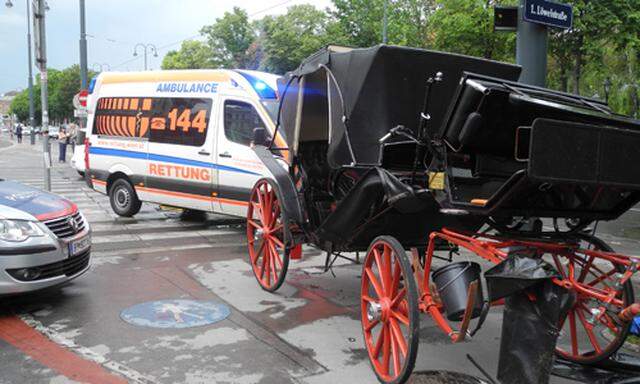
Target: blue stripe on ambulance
{"x":166,"y":159}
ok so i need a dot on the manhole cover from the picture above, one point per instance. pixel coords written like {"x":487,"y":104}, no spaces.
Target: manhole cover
{"x":442,"y":377}
{"x":175,"y":313}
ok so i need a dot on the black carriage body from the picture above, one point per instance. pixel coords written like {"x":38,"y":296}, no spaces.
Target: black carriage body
{"x":473,"y":142}
{"x":519,"y":150}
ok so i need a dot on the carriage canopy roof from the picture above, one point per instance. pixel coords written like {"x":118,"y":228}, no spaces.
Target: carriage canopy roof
{"x":368,"y":91}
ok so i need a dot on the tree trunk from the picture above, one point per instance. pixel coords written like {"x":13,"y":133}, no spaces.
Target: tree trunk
{"x":577,"y":67}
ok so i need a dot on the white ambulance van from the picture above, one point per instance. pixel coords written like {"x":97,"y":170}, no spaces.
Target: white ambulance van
{"x":180,"y":138}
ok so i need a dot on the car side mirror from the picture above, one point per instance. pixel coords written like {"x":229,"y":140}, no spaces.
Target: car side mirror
{"x":260,"y":136}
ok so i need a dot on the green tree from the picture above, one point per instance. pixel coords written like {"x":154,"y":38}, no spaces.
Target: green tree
{"x":230,"y":37}
{"x":361,"y":21}
{"x":466,"y":27}
{"x":62,"y":86}
{"x":192,"y":54}
{"x":288,"y":39}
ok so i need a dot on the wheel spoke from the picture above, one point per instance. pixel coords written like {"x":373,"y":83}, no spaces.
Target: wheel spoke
{"x":386,"y":350}
{"x":607,"y":322}
{"x":371,"y":325}
{"x":275,"y":213}
{"x":378,"y":346}
{"x":396,"y":300}
{"x":257,"y":254}
{"x":383,"y":287}
{"x":277,"y":241}
{"x":589,"y":329}
{"x":374,"y":282}
{"x":395,"y":282}
{"x":401,"y":317}
{"x":573,"y":332}
{"x":264,"y":261}
{"x":585,"y":269}
{"x":272,"y":263}
{"x":395,"y":354}
{"x":369,"y":299}
{"x":386,"y":277}
{"x":395,"y":329}
{"x":275,"y":254}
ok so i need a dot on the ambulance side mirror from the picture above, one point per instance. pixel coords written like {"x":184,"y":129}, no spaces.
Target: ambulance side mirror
{"x":260,"y":136}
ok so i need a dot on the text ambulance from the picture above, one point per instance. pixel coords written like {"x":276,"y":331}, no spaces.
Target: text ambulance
{"x":179,"y":138}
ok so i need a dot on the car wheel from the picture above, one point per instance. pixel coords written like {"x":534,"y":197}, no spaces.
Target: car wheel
{"x":123,"y":198}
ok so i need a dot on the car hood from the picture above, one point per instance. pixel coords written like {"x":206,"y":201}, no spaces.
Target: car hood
{"x":37,"y":203}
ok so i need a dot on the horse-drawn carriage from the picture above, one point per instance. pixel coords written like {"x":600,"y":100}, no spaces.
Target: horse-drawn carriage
{"x":390,"y":149}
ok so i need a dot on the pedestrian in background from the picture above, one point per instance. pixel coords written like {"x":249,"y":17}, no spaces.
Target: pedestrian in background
{"x":63,"y":139}
{"x":19,"y":132}
{"x":72,"y":133}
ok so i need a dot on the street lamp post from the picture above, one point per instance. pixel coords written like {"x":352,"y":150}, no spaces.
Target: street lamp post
{"x":146,"y":48}
{"x":607,"y":89}
{"x":32,"y":137}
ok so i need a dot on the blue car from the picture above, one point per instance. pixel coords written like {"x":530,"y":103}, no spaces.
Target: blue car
{"x":45,"y":240}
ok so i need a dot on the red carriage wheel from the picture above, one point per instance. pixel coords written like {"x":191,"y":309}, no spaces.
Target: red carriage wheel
{"x":389,"y":308}
{"x":585,"y":337}
{"x":267,"y":236}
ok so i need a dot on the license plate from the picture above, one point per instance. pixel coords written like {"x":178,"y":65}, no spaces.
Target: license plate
{"x":79,"y":246}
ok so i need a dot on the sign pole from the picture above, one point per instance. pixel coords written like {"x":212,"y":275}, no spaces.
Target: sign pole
{"x":531,"y":49}
{"x":41,"y":60}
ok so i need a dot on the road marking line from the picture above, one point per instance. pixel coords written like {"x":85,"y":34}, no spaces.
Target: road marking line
{"x":33,"y":342}
{"x":84,"y":356}
{"x":139,"y":251}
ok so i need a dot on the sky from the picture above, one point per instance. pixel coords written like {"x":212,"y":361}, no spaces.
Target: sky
{"x":113,"y":29}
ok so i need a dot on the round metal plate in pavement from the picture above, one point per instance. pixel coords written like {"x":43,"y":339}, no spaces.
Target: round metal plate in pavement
{"x":175,"y":313}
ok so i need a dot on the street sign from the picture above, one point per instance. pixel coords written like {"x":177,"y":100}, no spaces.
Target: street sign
{"x":548,"y":13}
{"x":39,"y":35}
{"x":80,"y":99}
{"x":79,"y":113}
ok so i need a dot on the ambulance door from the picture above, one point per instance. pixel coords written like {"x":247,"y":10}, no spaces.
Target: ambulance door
{"x":238,"y":166}
{"x":181,"y":152}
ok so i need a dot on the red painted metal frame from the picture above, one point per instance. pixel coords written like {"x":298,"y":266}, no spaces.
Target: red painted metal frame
{"x":493,"y":249}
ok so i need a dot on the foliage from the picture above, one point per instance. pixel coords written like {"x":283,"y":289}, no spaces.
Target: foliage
{"x":604,"y":42}
{"x":230,"y":37}
{"x":287,"y":39}
{"x":62,"y":86}
{"x":466,"y":27}
{"x":192,"y":54}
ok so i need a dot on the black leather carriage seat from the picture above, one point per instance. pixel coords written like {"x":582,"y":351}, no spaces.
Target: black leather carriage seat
{"x":313,"y":158}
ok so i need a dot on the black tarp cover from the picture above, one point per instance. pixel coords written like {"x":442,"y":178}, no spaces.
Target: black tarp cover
{"x":382,"y":87}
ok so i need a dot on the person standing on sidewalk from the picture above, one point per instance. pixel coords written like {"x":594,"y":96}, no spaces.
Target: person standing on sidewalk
{"x":63,"y":139}
{"x":19,"y":132}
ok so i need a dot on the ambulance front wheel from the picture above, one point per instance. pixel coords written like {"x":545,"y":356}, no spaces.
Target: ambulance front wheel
{"x":123,"y":198}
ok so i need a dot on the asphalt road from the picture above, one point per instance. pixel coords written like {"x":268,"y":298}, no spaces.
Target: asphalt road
{"x":308,"y":332}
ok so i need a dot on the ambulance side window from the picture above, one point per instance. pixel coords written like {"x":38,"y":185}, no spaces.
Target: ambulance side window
{"x":239,"y":121}
{"x":182,"y":121}
{"x":172,"y":120}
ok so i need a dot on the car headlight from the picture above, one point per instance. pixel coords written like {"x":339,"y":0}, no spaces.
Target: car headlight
{"x":18,"y":230}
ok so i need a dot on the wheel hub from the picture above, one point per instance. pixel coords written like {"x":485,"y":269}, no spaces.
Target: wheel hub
{"x":374,"y":311}
{"x":122,"y":197}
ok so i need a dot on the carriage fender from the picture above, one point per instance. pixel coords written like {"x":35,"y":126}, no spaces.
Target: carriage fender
{"x":289,"y":194}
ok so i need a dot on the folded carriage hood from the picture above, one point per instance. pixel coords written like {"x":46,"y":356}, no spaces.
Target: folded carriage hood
{"x":19,"y":201}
